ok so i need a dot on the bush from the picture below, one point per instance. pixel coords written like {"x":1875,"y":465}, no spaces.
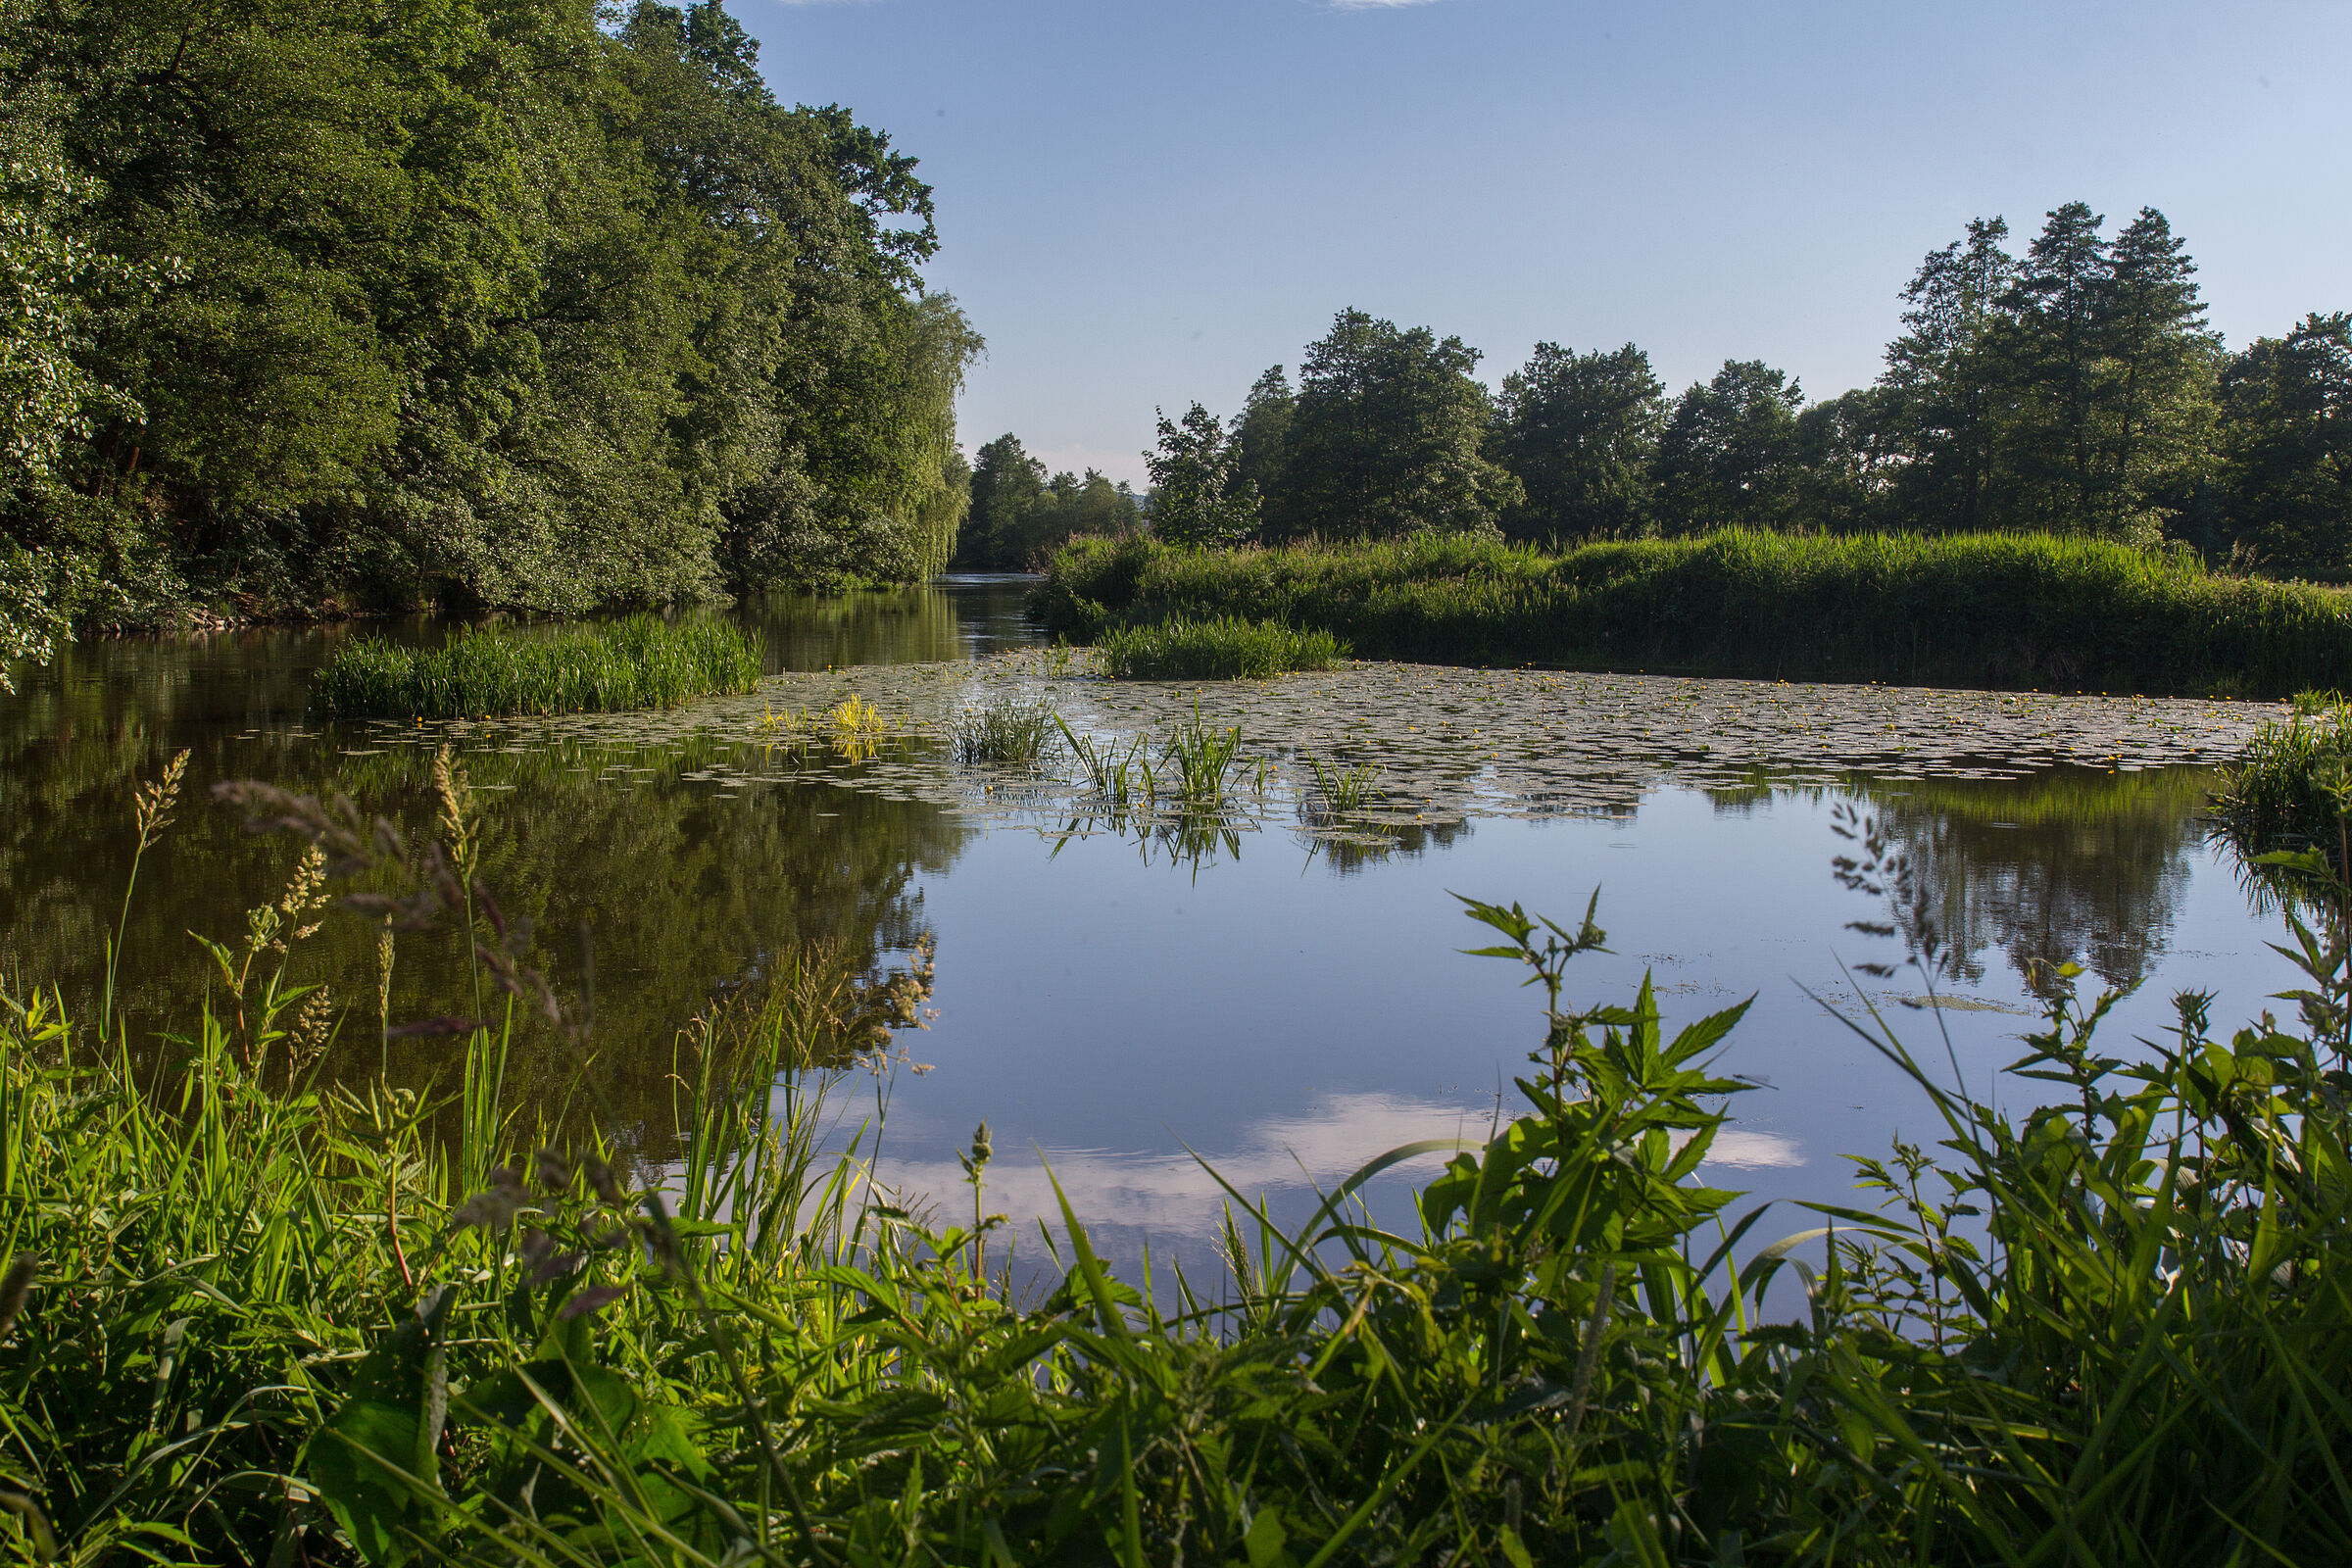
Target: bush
{"x":1224,"y":648}
{"x":1973,"y":610}
{"x":641,"y":662}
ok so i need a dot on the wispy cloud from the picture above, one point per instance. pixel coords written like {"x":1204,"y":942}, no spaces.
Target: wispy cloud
{"x":1171,"y":1194}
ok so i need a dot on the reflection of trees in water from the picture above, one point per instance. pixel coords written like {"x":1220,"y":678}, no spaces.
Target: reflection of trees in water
{"x":1367,"y":846}
{"x":688,"y":893}
{"x":2065,"y":866}
{"x":900,"y":626}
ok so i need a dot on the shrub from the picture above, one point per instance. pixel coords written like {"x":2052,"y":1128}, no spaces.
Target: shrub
{"x":1224,"y":648}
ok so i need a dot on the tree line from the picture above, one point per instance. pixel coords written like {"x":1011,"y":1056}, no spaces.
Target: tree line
{"x":2074,"y":388}
{"x":1019,"y":514}
{"x":310,"y":305}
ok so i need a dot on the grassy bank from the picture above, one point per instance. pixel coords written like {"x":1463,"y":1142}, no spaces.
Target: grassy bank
{"x":641,"y":662}
{"x":1990,"y":611}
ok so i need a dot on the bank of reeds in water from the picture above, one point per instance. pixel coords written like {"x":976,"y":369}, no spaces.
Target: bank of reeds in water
{"x":636,"y":662}
{"x":249,"y":1318}
{"x":2023,"y":610}
{"x":1221,"y":648}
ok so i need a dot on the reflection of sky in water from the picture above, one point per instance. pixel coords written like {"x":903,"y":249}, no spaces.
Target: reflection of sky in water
{"x":1289,"y":1023}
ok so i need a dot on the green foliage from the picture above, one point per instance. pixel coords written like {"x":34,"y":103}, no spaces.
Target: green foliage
{"x":1198,"y":496}
{"x":1226,"y":648}
{"x":2074,"y":389}
{"x":1727,"y":458}
{"x":2291,"y":787}
{"x":1019,"y":515}
{"x":2286,"y":451}
{"x":1388,"y":437}
{"x":526,"y":305}
{"x":1581,"y":430}
{"x":638,"y":661}
{"x":1985,"y":609}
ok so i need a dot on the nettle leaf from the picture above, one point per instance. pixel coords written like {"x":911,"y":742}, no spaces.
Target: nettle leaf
{"x":357,"y":1462}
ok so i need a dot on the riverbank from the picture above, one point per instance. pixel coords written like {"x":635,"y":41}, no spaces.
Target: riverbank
{"x":1998,"y":611}
{"x":364,"y":1324}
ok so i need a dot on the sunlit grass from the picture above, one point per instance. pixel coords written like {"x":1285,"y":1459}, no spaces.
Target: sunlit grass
{"x":1225,"y":648}
{"x":641,"y":662}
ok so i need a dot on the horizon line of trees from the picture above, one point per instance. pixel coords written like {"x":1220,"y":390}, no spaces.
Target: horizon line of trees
{"x":535,"y":304}
{"x":2074,"y":388}
{"x":1018,"y":513}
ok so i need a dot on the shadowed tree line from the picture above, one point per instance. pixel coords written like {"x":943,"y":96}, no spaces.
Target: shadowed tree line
{"x":531,"y":304}
{"x":2073,"y":388}
{"x":1019,"y":514}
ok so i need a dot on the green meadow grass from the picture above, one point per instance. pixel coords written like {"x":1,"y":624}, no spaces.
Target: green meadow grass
{"x":250,"y":1317}
{"x":1221,"y":648}
{"x":1980,"y":610}
{"x":640,"y":661}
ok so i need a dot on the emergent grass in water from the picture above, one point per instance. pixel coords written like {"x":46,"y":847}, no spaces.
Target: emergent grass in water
{"x":641,"y":662}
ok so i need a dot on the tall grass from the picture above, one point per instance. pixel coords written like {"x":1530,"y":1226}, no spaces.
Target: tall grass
{"x":1985,"y":609}
{"x":1224,"y":647}
{"x":640,"y":661}
{"x":2290,"y":788}
{"x":1010,"y":734}
{"x":274,"y":1322}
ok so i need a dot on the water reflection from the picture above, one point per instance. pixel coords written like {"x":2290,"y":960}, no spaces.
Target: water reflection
{"x":2069,"y":866}
{"x":681,"y":891}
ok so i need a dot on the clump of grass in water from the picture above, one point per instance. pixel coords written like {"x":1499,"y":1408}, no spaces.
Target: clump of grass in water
{"x":1344,"y":791}
{"x":1224,"y":648}
{"x":1016,"y":734}
{"x":639,"y":662}
{"x":1199,"y":767}
{"x":2290,"y":787}
{"x":1116,"y":777}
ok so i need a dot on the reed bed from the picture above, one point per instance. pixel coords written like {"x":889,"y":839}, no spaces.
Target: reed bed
{"x":637,"y":662}
{"x":1222,"y":648}
{"x":249,"y":1318}
{"x":1998,"y":611}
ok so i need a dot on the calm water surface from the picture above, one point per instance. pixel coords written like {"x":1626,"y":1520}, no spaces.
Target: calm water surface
{"x":1285,"y":1008}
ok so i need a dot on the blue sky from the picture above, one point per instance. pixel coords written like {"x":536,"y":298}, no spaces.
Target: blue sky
{"x":1146,"y":202}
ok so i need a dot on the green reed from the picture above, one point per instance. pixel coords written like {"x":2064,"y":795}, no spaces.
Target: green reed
{"x":1225,"y":648}
{"x":638,"y":661}
{"x":1343,"y":792}
{"x":249,"y":1318}
{"x":1012,"y":733}
{"x":1116,"y":778}
{"x":2290,"y":788}
{"x":1199,"y":767}
{"x":1965,"y":609}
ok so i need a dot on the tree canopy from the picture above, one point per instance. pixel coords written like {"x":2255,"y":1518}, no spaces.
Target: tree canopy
{"x":2072,"y":387}
{"x":487,"y":303}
